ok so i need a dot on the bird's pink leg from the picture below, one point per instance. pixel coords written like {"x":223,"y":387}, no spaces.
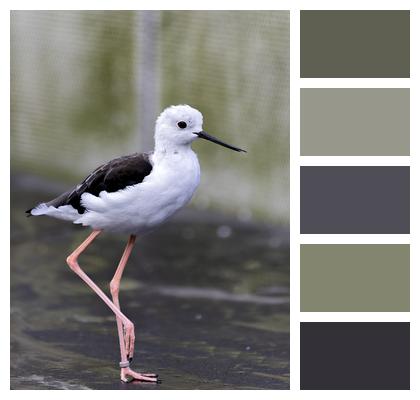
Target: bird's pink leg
{"x":115,"y":289}
{"x":127,"y":324}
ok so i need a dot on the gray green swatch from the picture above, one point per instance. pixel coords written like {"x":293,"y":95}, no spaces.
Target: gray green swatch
{"x":355,"y":277}
{"x":355,"y":44}
{"x":355,"y":122}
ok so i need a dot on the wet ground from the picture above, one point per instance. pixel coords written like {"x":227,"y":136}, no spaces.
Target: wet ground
{"x":209,"y":296}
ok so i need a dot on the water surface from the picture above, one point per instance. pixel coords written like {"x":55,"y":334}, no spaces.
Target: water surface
{"x":208,"y":295}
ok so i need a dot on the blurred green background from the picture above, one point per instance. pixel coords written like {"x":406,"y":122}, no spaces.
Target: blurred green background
{"x":87,"y":86}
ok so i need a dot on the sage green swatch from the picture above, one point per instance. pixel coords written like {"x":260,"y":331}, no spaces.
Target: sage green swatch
{"x":355,"y":277}
{"x":355,"y":122}
{"x":355,"y":44}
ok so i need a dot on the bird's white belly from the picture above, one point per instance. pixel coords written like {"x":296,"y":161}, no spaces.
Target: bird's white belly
{"x":142,"y":207}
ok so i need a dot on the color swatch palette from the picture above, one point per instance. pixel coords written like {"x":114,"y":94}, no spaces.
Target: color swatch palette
{"x":355,"y":277}
{"x":355,"y":44}
{"x":350,"y":121}
{"x":356,"y":199}
{"x":355,"y":122}
{"x":355,"y":355}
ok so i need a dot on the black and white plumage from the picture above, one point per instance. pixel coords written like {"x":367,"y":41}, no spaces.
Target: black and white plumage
{"x":112,"y":176}
{"x":135,"y":193}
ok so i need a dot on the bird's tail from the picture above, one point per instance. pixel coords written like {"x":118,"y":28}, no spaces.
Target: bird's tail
{"x":40,"y":209}
{"x":66,"y":212}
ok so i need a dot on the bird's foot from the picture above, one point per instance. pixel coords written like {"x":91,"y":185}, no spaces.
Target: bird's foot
{"x":128,"y":375}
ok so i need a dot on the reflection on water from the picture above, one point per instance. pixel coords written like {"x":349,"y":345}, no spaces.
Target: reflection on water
{"x":48,"y":383}
{"x":216,"y":294}
{"x":211,"y":310}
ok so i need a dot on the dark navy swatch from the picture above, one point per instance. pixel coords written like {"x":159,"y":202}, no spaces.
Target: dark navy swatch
{"x":355,"y":355}
{"x":358,"y":200}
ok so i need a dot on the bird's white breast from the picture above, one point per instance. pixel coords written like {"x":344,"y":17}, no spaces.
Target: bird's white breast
{"x":140,"y":208}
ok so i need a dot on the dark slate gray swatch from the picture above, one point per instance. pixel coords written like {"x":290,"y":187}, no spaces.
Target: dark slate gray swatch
{"x":355,"y":200}
{"x":355,"y":356}
{"x":355,"y":44}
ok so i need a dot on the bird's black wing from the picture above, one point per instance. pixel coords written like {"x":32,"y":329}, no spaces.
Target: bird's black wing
{"x":114,"y":175}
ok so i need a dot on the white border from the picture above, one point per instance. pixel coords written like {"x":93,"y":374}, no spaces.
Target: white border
{"x":294,"y":6}
{"x":294,"y":199}
{"x":5,"y":178}
{"x":354,"y":239}
{"x":355,"y":160}
{"x":354,"y":82}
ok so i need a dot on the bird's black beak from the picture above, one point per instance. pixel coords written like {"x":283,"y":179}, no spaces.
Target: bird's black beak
{"x":205,"y":135}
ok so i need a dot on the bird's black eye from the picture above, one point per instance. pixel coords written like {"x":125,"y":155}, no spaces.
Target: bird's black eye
{"x":182,"y":124}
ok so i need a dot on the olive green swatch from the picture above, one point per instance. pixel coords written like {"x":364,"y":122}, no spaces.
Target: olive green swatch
{"x":355,"y":122}
{"x":355,"y":44}
{"x":355,"y":277}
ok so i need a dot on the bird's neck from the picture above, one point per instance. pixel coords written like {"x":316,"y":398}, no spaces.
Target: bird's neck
{"x":164,"y":150}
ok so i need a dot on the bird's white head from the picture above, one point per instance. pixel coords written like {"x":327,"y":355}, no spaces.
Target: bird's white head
{"x":178,"y":126}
